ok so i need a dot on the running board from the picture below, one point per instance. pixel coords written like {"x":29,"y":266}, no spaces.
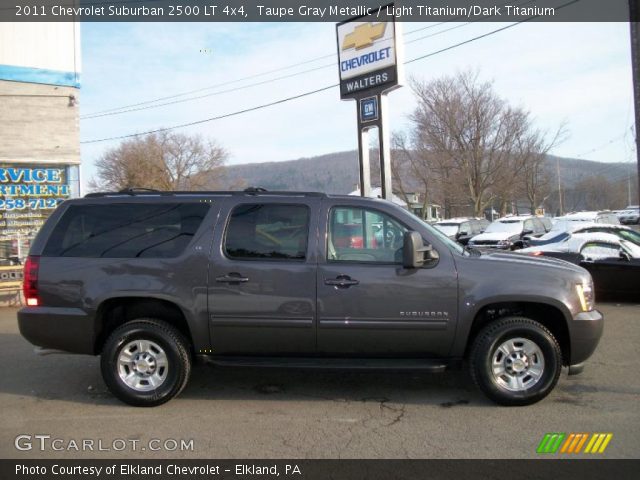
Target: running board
{"x":330,"y":363}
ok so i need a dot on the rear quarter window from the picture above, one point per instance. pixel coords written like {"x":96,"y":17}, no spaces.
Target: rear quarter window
{"x":125,"y":230}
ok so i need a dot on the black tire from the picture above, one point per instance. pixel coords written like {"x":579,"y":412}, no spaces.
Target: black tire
{"x":486,"y":346}
{"x":174,"y":346}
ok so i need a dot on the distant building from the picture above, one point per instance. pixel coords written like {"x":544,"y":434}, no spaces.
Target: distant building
{"x":376,"y":192}
{"x":415,"y":206}
{"x":432,"y":213}
{"x":39,"y":127}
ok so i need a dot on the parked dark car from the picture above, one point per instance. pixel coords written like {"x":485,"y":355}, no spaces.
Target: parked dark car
{"x":614,"y":262}
{"x":151,"y":280}
{"x":461,"y":230}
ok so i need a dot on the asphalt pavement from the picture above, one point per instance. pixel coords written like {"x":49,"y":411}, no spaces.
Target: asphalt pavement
{"x":57,"y":406}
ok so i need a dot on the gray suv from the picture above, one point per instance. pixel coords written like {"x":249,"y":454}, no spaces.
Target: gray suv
{"x":151,"y":280}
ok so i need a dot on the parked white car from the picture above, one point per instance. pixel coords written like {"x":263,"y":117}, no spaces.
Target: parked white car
{"x":630,"y":215}
{"x":562,"y":230}
{"x":576,"y":242}
{"x":605,"y":216}
{"x":508,"y":233}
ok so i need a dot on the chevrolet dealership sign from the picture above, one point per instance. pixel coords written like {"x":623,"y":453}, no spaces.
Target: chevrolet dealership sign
{"x":367,"y":56}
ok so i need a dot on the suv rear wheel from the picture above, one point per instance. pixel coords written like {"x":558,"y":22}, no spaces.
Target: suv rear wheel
{"x":145,"y":362}
{"x":515,"y":361}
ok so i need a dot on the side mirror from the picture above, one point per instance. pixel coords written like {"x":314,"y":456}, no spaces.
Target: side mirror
{"x":624,"y":256}
{"x":463,"y":234}
{"x":414,"y":250}
{"x":527,"y":232}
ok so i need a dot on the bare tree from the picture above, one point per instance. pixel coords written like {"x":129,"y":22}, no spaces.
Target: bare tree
{"x":163,"y":161}
{"x":410,"y":164}
{"x":477,"y":137}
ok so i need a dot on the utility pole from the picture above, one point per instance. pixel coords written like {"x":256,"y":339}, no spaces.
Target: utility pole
{"x":634,"y":25}
{"x":559,"y":186}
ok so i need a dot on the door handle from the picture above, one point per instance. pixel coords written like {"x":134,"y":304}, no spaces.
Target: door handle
{"x":341,"y":281}
{"x":232,"y":278}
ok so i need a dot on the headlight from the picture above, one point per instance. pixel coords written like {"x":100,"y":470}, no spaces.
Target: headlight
{"x":586,"y":296}
{"x":504,"y":242}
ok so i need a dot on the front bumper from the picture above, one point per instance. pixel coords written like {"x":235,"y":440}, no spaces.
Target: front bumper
{"x":585,"y":332}
{"x":68,"y":329}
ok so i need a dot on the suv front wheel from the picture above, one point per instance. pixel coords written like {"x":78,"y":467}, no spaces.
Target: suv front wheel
{"x":515,"y":361}
{"x":145,"y":362}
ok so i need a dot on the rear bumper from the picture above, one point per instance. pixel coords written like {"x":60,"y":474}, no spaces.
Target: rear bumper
{"x":68,"y":329}
{"x":586,"y":330}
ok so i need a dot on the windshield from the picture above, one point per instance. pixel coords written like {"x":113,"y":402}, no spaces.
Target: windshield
{"x":449,"y":229}
{"x":630,"y":235}
{"x":500,"y":226}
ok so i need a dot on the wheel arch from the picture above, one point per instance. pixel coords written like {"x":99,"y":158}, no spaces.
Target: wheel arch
{"x":113,"y":312}
{"x":550,"y":316}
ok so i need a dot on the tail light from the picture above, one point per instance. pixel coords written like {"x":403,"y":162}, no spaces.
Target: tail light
{"x":30,"y":281}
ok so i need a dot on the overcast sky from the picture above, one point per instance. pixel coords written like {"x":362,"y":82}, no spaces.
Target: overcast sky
{"x":576,"y":74}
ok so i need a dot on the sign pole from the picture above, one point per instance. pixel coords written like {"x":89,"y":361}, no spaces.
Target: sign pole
{"x":363,"y":157}
{"x":385,"y":149}
{"x":634,"y":27}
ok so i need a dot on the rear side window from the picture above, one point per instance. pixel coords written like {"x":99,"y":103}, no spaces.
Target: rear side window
{"x":126,"y":230}
{"x":268,"y":231}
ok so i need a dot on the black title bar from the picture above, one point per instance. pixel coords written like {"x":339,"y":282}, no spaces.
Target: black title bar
{"x":316,"y":469}
{"x":313,"y":10}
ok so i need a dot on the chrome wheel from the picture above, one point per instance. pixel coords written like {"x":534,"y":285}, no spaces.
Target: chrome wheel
{"x":142,"y":365}
{"x":517,"y":364}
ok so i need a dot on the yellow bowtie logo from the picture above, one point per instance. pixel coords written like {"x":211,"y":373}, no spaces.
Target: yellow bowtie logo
{"x":364,"y":35}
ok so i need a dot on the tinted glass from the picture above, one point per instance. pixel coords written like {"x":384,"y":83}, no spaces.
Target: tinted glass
{"x":269,"y":231}
{"x":360,"y":235}
{"x":126,"y":230}
{"x":630,"y":235}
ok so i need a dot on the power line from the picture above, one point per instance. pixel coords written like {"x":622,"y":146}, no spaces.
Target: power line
{"x":158,"y":105}
{"x":151,"y":104}
{"x":287,"y":99}
{"x":265,"y":105}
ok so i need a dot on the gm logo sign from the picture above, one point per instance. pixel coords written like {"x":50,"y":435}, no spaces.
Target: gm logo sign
{"x":369,"y":109}
{"x":574,"y":443}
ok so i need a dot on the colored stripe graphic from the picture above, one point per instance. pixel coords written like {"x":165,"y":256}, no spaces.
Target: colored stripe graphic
{"x":598,"y":442}
{"x":573,"y":443}
{"x":550,"y":442}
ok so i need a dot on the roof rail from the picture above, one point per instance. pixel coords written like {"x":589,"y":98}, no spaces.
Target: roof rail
{"x":134,"y":190}
{"x":257,"y":191}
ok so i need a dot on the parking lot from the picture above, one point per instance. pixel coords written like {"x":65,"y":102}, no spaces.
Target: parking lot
{"x":245,"y":413}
